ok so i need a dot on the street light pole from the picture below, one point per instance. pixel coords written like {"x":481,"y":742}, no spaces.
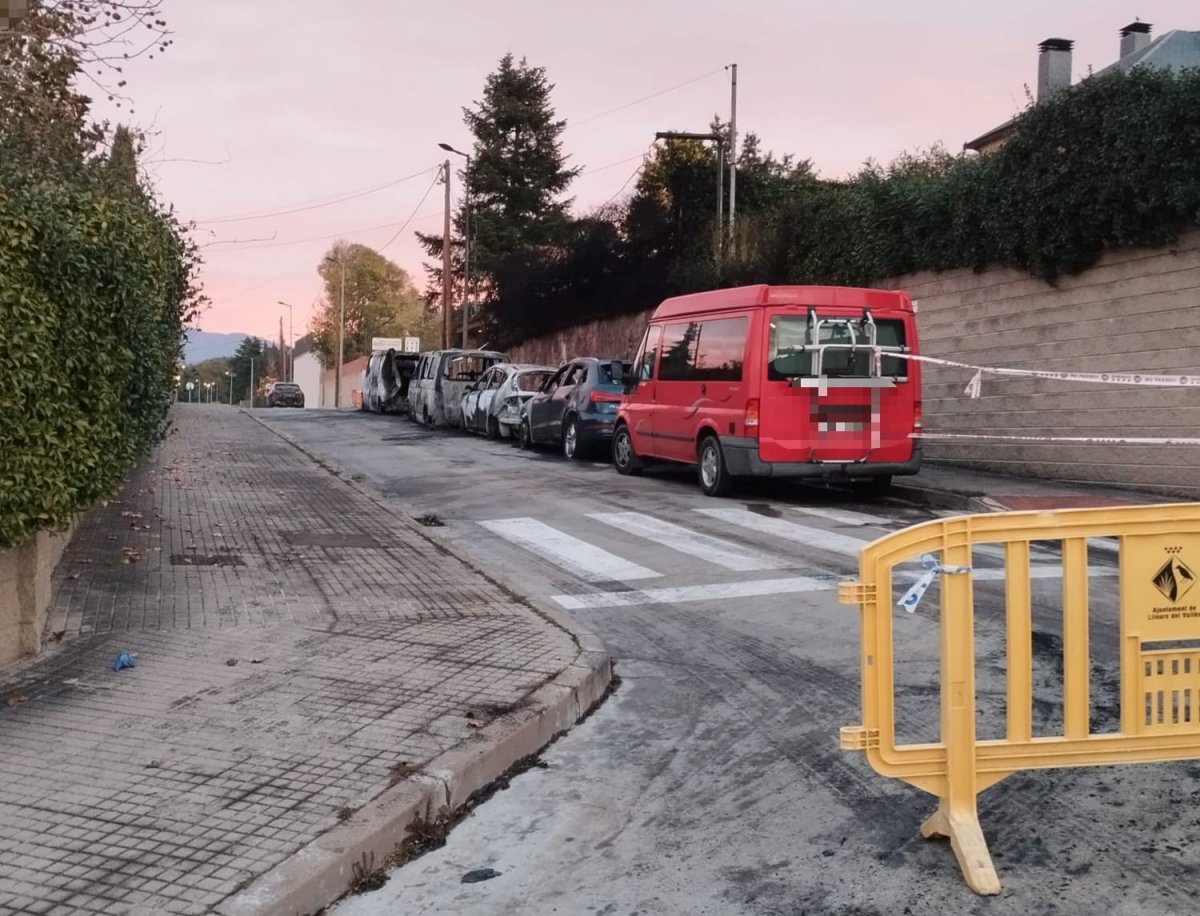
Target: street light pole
{"x":230,"y":374}
{"x":466,"y":239}
{"x":251,"y":382}
{"x":719,"y":141}
{"x":341,"y":348}
{"x":732,"y":153}
{"x":446,"y":260}
{"x":291,"y":367}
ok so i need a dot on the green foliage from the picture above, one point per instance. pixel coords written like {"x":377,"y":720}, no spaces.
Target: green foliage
{"x":1113,"y":161}
{"x":515,"y":182}
{"x":96,"y":281}
{"x":381,"y":301}
{"x":249,"y":358}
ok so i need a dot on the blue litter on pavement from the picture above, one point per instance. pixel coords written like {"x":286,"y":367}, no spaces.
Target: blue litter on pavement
{"x":124,"y":660}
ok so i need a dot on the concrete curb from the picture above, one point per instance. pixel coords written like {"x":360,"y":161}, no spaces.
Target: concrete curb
{"x":321,"y":872}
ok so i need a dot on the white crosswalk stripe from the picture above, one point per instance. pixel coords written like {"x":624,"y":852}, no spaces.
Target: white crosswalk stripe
{"x":725,"y":554}
{"x":819,"y":538}
{"x":845,"y":516}
{"x":718,"y":591}
{"x":576,"y":556}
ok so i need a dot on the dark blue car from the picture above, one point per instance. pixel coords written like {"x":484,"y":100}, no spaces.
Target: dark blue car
{"x":576,"y":408}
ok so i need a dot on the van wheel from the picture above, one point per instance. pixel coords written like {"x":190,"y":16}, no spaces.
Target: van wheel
{"x":493,"y":427}
{"x":572,"y":445}
{"x":625,"y":459}
{"x":524,"y":436}
{"x":710,"y":462}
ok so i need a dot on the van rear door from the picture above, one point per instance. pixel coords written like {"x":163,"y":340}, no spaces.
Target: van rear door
{"x":853,"y":411}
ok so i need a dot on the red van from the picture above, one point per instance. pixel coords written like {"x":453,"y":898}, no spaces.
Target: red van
{"x":776,"y":381}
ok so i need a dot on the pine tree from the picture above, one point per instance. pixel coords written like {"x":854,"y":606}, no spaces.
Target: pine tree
{"x":517,"y":175}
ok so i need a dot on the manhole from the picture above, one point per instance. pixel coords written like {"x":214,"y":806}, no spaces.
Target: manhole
{"x":201,"y":559}
{"x":330,"y":539}
{"x":430,"y":521}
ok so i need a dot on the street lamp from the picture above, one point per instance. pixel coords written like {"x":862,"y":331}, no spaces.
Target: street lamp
{"x":177,"y":378}
{"x":291,"y":343}
{"x":466,"y":238}
{"x":230,"y":374}
{"x":337,"y":379}
{"x":720,"y":145}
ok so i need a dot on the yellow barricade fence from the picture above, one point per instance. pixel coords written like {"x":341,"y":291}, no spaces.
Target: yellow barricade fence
{"x":1159,"y":558}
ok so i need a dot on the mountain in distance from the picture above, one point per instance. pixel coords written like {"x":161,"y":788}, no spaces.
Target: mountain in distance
{"x":202,"y":345}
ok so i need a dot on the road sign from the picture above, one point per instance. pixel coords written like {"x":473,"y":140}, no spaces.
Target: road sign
{"x":190,"y":385}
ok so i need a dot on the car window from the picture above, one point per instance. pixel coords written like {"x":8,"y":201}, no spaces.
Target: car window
{"x":557,"y":379}
{"x":532,"y":381}
{"x":577,"y":375}
{"x":720,"y":350}
{"x":498,"y":378}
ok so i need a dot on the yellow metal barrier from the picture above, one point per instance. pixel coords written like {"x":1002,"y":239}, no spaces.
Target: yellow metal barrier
{"x":1160,"y":686}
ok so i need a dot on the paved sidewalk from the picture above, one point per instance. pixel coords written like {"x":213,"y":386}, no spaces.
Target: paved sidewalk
{"x":295,"y":644}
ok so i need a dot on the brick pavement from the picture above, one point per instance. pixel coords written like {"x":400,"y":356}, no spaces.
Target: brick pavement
{"x":294,"y":642}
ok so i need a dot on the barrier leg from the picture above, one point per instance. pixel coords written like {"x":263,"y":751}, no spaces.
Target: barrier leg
{"x":957,"y":817}
{"x":962,"y":829}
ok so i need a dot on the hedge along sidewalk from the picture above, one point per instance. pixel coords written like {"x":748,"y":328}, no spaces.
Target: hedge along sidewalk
{"x":311,"y":673}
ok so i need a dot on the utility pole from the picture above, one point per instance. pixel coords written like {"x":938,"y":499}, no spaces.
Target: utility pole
{"x":732,"y":155}
{"x":251,"y":382}
{"x":446,"y":261}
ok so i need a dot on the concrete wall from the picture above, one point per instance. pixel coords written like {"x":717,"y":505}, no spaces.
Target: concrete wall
{"x":25,"y":574}
{"x":1137,"y":310}
{"x":306,"y":371}
{"x":351,"y":384}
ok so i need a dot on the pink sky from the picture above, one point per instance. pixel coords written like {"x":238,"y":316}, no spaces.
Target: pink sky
{"x":285,"y":102}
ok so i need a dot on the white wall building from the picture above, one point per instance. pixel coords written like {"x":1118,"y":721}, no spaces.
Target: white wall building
{"x":306,"y":371}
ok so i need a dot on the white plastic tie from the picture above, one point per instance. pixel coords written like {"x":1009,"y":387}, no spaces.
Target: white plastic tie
{"x":912,"y":597}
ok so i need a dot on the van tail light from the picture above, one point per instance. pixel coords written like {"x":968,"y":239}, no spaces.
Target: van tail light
{"x":917,"y":416}
{"x":751,"y":418}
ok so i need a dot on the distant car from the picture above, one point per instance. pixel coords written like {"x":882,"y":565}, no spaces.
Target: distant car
{"x":576,"y":408}
{"x":492,"y":405}
{"x":284,"y":394}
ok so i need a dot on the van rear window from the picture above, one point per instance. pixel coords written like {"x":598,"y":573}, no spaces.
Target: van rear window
{"x":787,"y":358}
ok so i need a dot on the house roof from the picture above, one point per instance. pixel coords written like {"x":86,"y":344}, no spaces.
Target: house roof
{"x":1173,"y":50}
{"x":303,"y":345}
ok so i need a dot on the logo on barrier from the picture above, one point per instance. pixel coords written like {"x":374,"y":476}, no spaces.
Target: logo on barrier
{"x":1174,"y":580}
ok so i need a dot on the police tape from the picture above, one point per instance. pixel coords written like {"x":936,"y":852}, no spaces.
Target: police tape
{"x":1087,"y":440}
{"x":1102,"y":378}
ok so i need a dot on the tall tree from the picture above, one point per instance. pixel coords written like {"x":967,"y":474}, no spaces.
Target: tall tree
{"x":517,"y":176}
{"x":381,"y":301}
{"x":249,"y":356}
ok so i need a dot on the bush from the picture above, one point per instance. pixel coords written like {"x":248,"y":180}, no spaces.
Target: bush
{"x":95,"y":284}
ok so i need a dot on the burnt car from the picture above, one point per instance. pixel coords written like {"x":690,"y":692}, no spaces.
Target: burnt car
{"x":284,"y":394}
{"x":576,"y":408}
{"x":492,"y":405}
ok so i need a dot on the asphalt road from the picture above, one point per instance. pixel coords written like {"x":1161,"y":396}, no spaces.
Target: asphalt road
{"x":711,"y":782}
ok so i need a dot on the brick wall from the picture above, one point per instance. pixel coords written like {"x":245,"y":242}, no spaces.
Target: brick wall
{"x":1136,"y":310}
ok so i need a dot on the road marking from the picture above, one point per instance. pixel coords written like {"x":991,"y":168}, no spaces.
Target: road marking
{"x":819,"y":538}
{"x":845,"y":516}
{"x":718,"y":592}
{"x":575,"y":556}
{"x":725,"y":554}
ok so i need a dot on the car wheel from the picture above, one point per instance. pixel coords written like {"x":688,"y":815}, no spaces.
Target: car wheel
{"x":710,"y":461}
{"x":573,"y":447}
{"x":493,"y":427}
{"x":625,"y":459}
{"x":524,"y":437}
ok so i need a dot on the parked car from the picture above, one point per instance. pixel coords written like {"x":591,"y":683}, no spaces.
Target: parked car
{"x":441,"y":380}
{"x":785,"y":381}
{"x":576,"y":408}
{"x":386,"y":380}
{"x":284,"y":394}
{"x":492,"y":405}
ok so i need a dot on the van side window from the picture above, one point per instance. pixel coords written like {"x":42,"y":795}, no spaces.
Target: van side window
{"x":678,"y":352}
{"x":721,"y":350}
{"x":647,"y":353}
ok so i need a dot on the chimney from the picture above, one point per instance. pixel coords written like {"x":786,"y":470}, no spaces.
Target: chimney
{"x":1134,"y":37}
{"x":1054,"y":66}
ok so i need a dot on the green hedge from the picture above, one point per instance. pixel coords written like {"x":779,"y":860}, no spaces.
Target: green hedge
{"x":94,"y":284}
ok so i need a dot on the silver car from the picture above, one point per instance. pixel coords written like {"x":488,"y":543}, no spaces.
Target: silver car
{"x":492,"y":405}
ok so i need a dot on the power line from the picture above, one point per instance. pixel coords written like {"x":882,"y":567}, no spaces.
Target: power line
{"x":317,"y":203}
{"x":647,"y":98}
{"x":410,"y":216}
